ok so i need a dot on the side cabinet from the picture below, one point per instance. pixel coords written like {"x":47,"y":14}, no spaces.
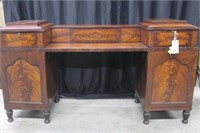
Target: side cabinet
{"x":166,"y":81}
{"x":24,"y":80}
{"x":170,"y":80}
{"x":25,"y":68}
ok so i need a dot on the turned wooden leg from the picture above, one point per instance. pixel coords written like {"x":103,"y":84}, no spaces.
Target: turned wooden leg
{"x":46,"y":115}
{"x":9,"y":113}
{"x":146,"y":116}
{"x":186,"y":114}
{"x":137,"y":98}
{"x":57,"y":98}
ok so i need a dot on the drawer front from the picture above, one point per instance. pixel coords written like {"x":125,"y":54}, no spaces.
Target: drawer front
{"x":96,"y":35}
{"x":18,"y":40}
{"x":164,"y":38}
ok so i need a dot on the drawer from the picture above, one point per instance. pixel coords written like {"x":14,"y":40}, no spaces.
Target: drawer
{"x":164,"y":38}
{"x":18,"y":40}
{"x":160,"y":32}
{"x":95,"y":35}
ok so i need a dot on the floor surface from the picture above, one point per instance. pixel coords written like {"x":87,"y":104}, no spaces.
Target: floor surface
{"x":100,"y":116}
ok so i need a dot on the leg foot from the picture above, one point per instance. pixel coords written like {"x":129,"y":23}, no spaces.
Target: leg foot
{"x":57,"y":98}
{"x":186,"y":114}
{"x":46,"y":121}
{"x":9,"y":113}
{"x":46,"y":115}
{"x":137,"y":98}
{"x":146,"y":116}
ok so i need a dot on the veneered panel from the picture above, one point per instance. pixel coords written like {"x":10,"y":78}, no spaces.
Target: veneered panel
{"x":170,"y":82}
{"x":24,"y":82}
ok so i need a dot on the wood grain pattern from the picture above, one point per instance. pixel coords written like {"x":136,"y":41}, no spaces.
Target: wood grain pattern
{"x":31,"y":40}
{"x":40,"y":39}
{"x":166,"y":24}
{"x":129,"y":35}
{"x":147,"y":37}
{"x":46,"y":37}
{"x":170,"y":82}
{"x":150,"y":35}
{"x":19,"y":40}
{"x":60,"y":35}
{"x":26,"y":26}
{"x":95,"y":35}
{"x":144,"y":36}
{"x":24,"y":82}
{"x":43,"y":38}
{"x":194,"y":38}
{"x":30,"y":59}
{"x":165,"y":38}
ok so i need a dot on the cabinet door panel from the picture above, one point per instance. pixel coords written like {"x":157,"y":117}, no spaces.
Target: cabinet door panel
{"x":170,"y":82}
{"x":24,"y":80}
{"x":171,"y":79}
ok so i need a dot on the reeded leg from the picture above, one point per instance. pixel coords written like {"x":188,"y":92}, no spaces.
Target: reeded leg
{"x":46,"y":115}
{"x":186,"y":114}
{"x":137,"y":98}
{"x":146,"y":116}
{"x":9,"y":113}
{"x":57,"y":98}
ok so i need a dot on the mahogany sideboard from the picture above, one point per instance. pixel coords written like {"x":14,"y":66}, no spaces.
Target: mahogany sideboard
{"x":164,"y":81}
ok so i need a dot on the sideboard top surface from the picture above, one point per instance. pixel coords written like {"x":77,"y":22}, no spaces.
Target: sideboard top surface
{"x":167,"y":24}
{"x":26,"y":25}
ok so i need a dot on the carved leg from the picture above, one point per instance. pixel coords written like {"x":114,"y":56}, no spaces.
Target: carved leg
{"x":46,"y":115}
{"x":146,"y":115}
{"x":9,"y":113}
{"x":57,"y":98}
{"x":186,"y":114}
{"x":137,"y":98}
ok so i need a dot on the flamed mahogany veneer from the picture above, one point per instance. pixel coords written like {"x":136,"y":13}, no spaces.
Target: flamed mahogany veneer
{"x":164,"y":81}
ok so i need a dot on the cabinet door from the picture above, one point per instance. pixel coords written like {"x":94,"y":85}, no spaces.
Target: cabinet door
{"x":23,"y":80}
{"x":170,"y":80}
